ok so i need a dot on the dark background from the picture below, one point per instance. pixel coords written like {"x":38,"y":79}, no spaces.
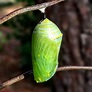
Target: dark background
{"x":74,"y":18}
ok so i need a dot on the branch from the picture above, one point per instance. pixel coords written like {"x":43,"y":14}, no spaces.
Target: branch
{"x":22,"y":76}
{"x":65,"y":68}
{"x":30,"y":8}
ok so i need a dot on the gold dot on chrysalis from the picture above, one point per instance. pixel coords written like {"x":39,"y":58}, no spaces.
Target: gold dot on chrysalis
{"x":38,"y":55}
{"x":48,"y":74}
{"x":39,"y":79}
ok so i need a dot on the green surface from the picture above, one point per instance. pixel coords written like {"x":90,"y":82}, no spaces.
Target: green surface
{"x":46,"y":40}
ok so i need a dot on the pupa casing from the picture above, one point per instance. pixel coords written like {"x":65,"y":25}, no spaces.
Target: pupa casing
{"x":46,"y":41}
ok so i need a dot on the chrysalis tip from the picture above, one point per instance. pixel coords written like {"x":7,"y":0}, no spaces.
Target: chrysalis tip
{"x":42,"y":10}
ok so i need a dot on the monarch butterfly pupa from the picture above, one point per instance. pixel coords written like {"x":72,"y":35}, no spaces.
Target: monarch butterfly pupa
{"x":46,"y":41}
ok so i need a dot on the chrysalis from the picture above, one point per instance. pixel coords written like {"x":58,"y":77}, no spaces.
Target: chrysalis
{"x":46,"y":41}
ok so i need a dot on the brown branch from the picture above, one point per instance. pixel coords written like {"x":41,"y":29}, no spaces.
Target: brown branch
{"x":22,"y":76}
{"x":30,"y":8}
{"x":65,"y":68}
{"x":12,"y":81}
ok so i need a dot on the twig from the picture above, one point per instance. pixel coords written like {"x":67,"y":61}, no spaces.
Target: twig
{"x":30,"y":8}
{"x":12,"y":81}
{"x":65,"y":68}
{"x":15,"y":79}
{"x":22,"y":76}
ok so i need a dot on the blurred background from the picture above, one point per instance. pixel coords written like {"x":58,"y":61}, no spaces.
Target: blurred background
{"x":74,"y":18}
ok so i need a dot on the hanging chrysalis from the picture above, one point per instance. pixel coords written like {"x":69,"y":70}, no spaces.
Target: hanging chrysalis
{"x":46,"y":41}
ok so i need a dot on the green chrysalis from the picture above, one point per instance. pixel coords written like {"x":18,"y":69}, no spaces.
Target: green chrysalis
{"x":46,"y":41}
